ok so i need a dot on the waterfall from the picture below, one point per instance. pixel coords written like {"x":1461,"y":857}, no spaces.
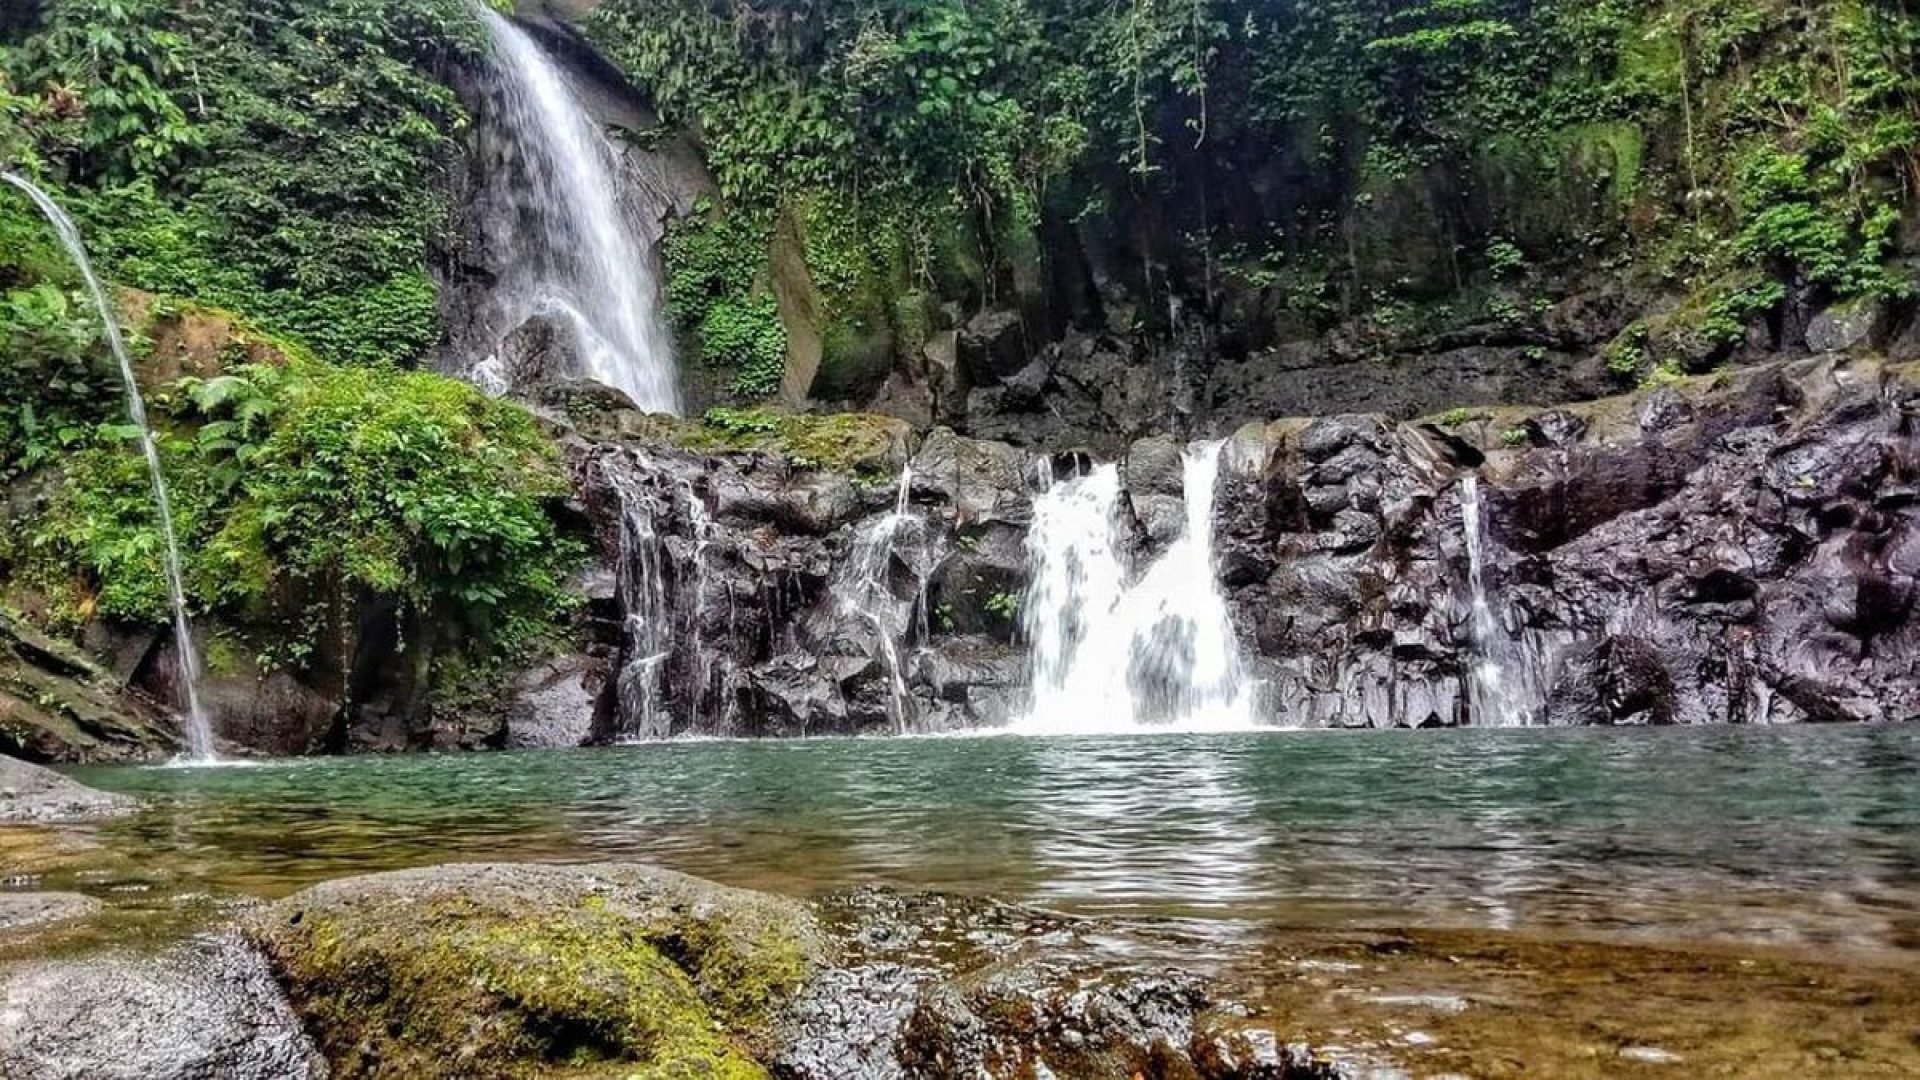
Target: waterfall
{"x":641,"y":687}
{"x":199,"y":732}
{"x":1498,"y":687}
{"x":577,"y":260}
{"x":1109,"y":655}
{"x":863,"y":588}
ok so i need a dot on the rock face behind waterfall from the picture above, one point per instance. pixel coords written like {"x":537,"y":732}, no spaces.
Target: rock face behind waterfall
{"x":1734,"y":549}
{"x":743,"y":556}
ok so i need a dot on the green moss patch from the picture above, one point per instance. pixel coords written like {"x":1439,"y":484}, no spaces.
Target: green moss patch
{"x":506,"y":971}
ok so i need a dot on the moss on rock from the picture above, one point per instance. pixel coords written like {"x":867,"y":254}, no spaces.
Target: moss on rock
{"x":506,"y":971}
{"x":864,"y":444}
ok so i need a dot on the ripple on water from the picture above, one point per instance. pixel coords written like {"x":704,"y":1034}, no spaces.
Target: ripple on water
{"x":1805,"y":835}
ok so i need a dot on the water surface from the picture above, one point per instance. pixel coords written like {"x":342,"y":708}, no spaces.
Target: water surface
{"x":1526,"y":903}
{"x":1757,"y":835}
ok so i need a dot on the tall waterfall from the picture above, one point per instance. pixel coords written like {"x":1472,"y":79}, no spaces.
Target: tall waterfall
{"x":578,"y":261}
{"x":1112,"y":655}
{"x":198,"y":731}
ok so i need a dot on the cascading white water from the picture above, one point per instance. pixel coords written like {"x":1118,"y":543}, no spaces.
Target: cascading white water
{"x":1113,"y":656}
{"x":1494,"y":687}
{"x":863,"y":588}
{"x":578,"y":260}
{"x":643,"y":595}
{"x":198,"y":731}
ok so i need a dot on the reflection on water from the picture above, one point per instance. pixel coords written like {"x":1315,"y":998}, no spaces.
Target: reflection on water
{"x":1775,"y":835}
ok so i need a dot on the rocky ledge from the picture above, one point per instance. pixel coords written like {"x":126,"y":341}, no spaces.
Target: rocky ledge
{"x":626,"y":971}
{"x":1734,"y":548}
{"x":30,"y":793}
{"x":1731,"y":548}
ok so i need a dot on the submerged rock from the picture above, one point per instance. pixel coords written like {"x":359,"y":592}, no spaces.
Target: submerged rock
{"x":25,"y":911}
{"x":621,"y":970}
{"x":32,"y":793}
{"x":928,"y":985}
{"x":206,"y":1009}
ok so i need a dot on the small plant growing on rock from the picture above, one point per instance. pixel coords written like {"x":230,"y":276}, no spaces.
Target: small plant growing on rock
{"x":1628,"y":354}
{"x":1505,"y":259}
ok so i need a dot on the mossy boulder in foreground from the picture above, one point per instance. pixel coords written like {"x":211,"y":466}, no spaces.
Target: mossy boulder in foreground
{"x":597,"y":970}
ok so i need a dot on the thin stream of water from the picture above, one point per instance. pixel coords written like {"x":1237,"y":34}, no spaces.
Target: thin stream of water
{"x":199,"y":731}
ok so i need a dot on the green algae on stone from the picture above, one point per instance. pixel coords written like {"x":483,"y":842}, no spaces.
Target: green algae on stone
{"x":511,"y":971}
{"x":864,"y":444}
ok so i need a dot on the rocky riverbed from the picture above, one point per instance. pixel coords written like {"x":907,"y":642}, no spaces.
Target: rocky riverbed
{"x":610,"y":969}
{"x":250,"y":922}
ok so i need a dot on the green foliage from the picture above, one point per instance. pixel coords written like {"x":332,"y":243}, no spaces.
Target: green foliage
{"x":1628,"y":354}
{"x":278,"y":158}
{"x":749,"y":338}
{"x":1004,"y":604}
{"x":717,"y":296}
{"x":1684,"y":139}
{"x":1731,"y":310}
{"x":739,"y":423}
{"x":306,"y":491}
{"x":1504,"y":258}
{"x":106,"y":66}
{"x":54,"y":379}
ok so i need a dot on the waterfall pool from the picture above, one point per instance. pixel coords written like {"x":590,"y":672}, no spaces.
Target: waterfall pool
{"x":1486,"y":894}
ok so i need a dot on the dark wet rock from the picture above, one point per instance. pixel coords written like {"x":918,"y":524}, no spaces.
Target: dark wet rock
{"x":970,"y":683}
{"x":984,"y":568}
{"x":981,"y":481}
{"x":932,"y":986}
{"x":1734,"y":548}
{"x":1846,"y":326}
{"x":269,"y":711}
{"x":25,"y":911}
{"x":551,"y":705}
{"x":206,"y":1009}
{"x":32,"y":793}
{"x":58,"y":703}
{"x":508,"y":970}
{"x":993,"y":344}
{"x":1153,"y":481}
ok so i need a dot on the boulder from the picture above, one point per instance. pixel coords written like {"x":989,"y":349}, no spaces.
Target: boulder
{"x":32,"y":793}
{"x":1844,"y":327}
{"x":59,"y":704}
{"x":491,"y":970}
{"x":982,"y":481}
{"x":551,"y":705}
{"x":209,"y":1008}
{"x":993,"y":345}
{"x":1014,"y":992}
{"x":24,"y":911}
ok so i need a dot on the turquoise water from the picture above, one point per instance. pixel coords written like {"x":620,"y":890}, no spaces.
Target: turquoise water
{"x":1752,"y":835}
